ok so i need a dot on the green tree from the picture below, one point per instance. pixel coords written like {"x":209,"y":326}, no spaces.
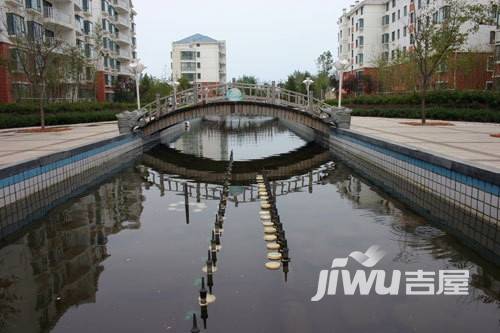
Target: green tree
{"x":184,"y":83}
{"x":248,"y":79}
{"x":36,"y":55}
{"x":325,"y":63}
{"x":439,"y":32}
{"x":295,"y":81}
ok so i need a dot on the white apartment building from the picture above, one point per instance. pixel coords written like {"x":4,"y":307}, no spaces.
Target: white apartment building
{"x":200,"y":59}
{"x":378,"y":29}
{"x":106,"y":26}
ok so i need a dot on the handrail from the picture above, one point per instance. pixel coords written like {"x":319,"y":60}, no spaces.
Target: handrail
{"x":269,"y":94}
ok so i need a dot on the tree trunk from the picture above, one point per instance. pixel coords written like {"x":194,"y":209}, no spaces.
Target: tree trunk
{"x":42,"y":111}
{"x":423,"y":97}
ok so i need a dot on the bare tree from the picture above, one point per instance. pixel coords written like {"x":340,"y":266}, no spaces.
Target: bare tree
{"x":35,"y":54}
{"x":439,"y":32}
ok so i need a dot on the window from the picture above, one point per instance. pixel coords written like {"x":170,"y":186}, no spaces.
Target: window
{"x":394,"y":17}
{"x":492,"y":37}
{"x":199,"y":76}
{"x":187,"y":55}
{"x":15,"y":24}
{"x":35,"y":31}
{"x":198,"y":65}
{"x":188,"y":76}
{"x":34,"y":4}
{"x":360,"y":58}
{"x":198,"y":54}
{"x":405,"y":31}
{"x":87,"y":27}
{"x":490,"y":65}
{"x":188,"y":66}
{"x":405,"y":11}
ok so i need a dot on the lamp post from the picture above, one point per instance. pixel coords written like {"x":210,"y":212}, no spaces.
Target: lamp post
{"x":308,"y":83}
{"x":174,"y":84}
{"x":137,"y":68}
{"x":341,"y":66}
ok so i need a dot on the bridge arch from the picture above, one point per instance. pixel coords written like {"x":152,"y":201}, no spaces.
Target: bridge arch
{"x":236,"y":99}
{"x":243,"y":108}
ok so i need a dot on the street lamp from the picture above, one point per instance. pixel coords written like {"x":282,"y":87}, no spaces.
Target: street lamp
{"x":341,"y":66}
{"x":137,"y":68}
{"x":174,"y":84}
{"x":308,"y":83}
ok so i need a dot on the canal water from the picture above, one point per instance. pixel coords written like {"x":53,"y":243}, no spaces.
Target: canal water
{"x":128,"y":255}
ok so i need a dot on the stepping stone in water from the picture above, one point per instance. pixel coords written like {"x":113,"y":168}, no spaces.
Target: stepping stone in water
{"x":274,"y":256}
{"x":273,"y":246}
{"x":268,"y":224}
{"x":273,"y":265}
{"x":270,"y":238}
{"x":270,"y":230}
{"x":204,"y":269}
{"x":265,"y":206}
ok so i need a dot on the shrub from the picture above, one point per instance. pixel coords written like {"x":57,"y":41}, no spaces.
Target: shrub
{"x":9,"y":120}
{"x":457,"y":99}
{"x":31,"y":108}
{"x":460,"y":114}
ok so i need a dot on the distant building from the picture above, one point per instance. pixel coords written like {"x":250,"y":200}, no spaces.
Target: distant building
{"x":375,"y":30}
{"x":200,"y":59}
{"x":75,"y":23}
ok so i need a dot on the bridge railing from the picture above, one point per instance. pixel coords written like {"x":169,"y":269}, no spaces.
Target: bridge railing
{"x":269,"y":94}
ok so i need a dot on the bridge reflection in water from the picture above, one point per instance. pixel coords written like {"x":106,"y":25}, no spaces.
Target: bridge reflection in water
{"x":96,"y":250}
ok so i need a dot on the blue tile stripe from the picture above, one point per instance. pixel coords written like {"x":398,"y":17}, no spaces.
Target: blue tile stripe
{"x":461,"y":178}
{"x":37,"y":171}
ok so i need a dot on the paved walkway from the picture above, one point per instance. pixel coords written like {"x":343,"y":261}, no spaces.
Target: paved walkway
{"x":17,"y":147}
{"x":469,"y":142}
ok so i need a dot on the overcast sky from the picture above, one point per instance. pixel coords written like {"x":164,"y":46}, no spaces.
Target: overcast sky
{"x":265,"y":38}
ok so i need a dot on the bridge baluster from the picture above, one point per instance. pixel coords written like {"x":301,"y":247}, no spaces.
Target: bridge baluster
{"x":158,"y":106}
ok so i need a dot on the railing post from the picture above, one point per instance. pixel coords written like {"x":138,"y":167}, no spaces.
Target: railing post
{"x":195,"y":92}
{"x":273,"y":92}
{"x":158,"y":105}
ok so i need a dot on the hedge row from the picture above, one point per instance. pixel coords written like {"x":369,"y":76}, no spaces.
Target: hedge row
{"x":457,"y":99}
{"x":9,"y":120}
{"x":31,"y":108}
{"x":476,"y":115}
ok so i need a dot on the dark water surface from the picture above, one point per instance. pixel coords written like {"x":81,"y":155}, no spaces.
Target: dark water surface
{"x":122,"y":258}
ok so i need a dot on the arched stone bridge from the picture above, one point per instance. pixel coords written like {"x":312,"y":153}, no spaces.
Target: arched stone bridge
{"x":171,"y":161}
{"x":237,"y":99}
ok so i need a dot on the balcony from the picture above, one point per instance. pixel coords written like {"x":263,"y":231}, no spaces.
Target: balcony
{"x":52,"y":16}
{"x":122,"y":5}
{"x":123,"y":21}
{"x":124,"y":55}
{"x":15,"y":3}
{"x":123,"y":39}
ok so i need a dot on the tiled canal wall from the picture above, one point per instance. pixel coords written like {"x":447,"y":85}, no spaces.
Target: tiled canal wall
{"x":462,"y":198}
{"x":30,"y":189}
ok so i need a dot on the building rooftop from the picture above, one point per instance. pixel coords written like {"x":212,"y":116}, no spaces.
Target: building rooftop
{"x":196,"y":38}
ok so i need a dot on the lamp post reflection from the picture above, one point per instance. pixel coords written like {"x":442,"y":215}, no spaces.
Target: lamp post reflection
{"x":206,"y":296}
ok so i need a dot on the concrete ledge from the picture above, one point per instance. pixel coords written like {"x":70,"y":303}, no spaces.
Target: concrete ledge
{"x":489,"y":175}
{"x":17,"y":168}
